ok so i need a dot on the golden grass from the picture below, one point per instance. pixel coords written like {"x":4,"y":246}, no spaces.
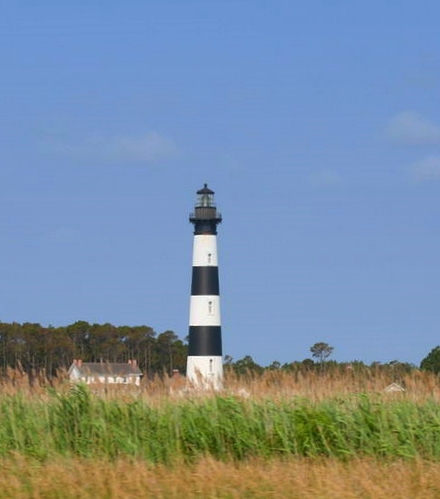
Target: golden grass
{"x":292,"y":479}
{"x":314,"y":386}
{"x":277,"y":384}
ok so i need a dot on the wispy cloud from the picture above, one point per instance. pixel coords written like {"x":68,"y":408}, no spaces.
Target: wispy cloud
{"x":426,"y":169}
{"x":412,"y":128}
{"x":63,"y":234}
{"x":58,"y":235}
{"x":149,"y":147}
{"x":325,"y":178}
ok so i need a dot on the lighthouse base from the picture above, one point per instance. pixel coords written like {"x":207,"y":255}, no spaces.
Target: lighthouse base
{"x":205,"y":372}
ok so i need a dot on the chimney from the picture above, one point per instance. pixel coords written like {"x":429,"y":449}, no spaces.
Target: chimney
{"x":134,"y":362}
{"x":79,"y":362}
{"x":129,"y":361}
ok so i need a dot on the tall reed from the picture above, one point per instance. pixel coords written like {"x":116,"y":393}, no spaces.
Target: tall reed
{"x":225,"y":427}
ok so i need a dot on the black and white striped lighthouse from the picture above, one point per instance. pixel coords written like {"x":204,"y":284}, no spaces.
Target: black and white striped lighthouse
{"x":204,"y":364}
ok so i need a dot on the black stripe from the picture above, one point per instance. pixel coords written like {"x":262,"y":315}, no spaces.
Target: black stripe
{"x":205,"y":340}
{"x":205,"y":227}
{"x":205,"y":281}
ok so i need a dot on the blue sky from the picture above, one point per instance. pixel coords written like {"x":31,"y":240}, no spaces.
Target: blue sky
{"x":316,"y":123}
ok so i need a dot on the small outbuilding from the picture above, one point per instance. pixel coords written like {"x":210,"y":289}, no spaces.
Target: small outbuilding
{"x":105,"y":373}
{"x":394,"y":388}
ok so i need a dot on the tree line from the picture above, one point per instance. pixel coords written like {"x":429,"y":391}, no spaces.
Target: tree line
{"x":36,"y":349}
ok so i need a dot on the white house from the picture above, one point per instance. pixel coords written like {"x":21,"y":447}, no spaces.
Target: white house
{"x":105,"y":372}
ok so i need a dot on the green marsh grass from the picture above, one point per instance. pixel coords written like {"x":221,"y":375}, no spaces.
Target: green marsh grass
{"x":223,"y":427}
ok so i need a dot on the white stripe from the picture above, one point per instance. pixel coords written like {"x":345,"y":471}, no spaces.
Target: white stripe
{"x":206,"y":371}
{"x":204,"y":311}
{"x":205,"y":251}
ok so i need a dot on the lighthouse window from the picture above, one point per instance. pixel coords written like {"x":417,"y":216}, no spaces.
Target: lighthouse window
{"x":209,"y":258}
{"x":210,"y":307}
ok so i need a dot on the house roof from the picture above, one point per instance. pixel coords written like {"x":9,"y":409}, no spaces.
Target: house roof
{"x":394,"y":387}
{"x":106,"y":369}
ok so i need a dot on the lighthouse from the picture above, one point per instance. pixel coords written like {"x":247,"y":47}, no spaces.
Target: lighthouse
{"x":204,"y":364}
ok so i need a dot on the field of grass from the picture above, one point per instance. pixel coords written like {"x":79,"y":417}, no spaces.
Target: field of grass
{"x":253,"y":479}
{"x":275,"y":436}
